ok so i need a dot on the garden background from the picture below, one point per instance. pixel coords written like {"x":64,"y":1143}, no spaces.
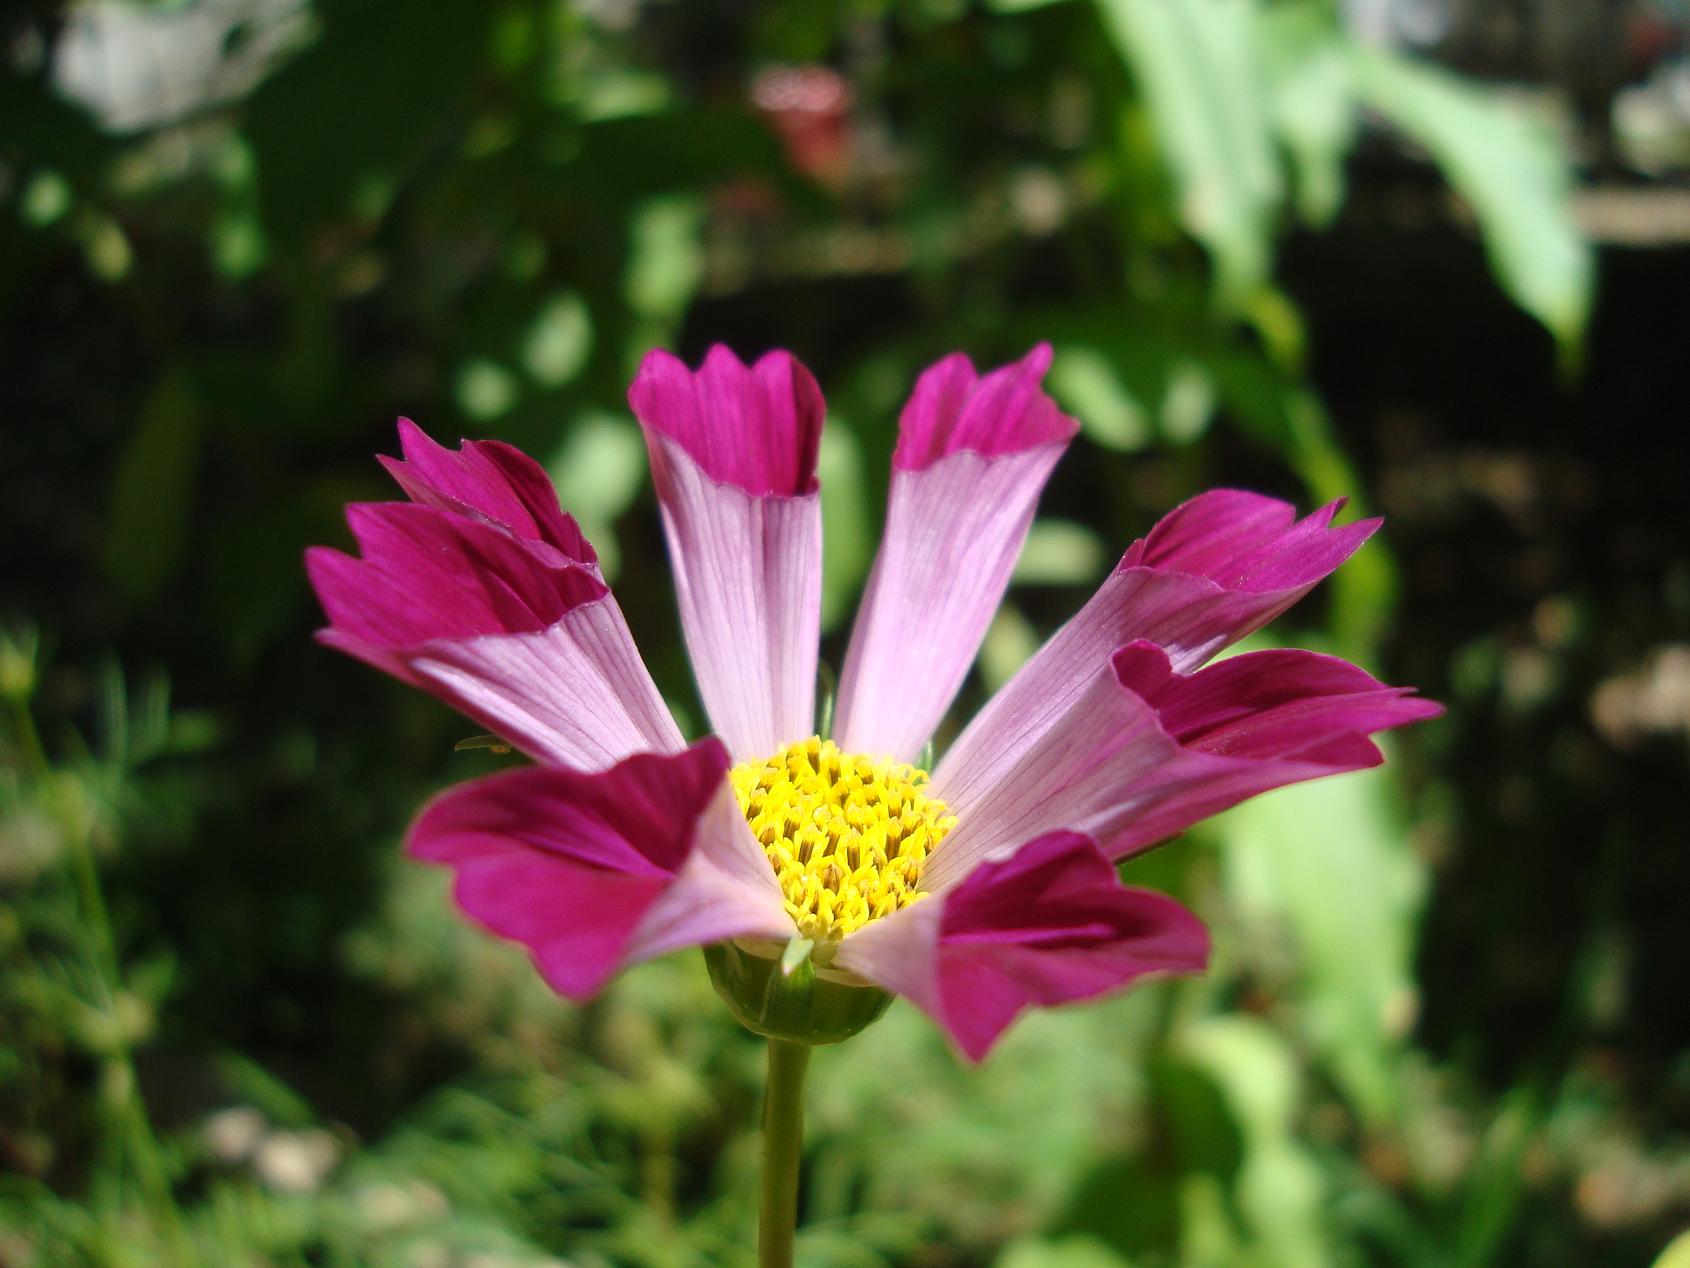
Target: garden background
{"x":1435,"y":256}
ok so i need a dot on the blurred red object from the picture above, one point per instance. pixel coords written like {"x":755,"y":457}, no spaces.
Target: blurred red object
{"x":809,"y":108}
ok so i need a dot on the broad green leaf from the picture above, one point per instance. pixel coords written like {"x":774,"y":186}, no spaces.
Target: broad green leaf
{"x":1197,"y":67}
{"x":1327,"y":863}
{"x":1510,"y":169}
{"x":1311,"y":98}
{"x":1278,"y":1185}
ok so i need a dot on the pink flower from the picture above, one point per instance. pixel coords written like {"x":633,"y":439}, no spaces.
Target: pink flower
{"x":977,"y":893}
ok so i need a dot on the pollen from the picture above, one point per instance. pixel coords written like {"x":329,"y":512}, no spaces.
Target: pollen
{"x":847,"y":835}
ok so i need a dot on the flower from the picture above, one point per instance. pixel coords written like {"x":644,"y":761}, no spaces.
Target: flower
{"x":977,"y":892}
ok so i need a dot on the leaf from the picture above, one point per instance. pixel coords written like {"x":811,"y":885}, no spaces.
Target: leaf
{"x":1311,"y":96}
{"x":1509,"y":168}
{"x":666,"y":257}
{"x":1278,"y":1184}
{"x":598,"y":472}
{"x":485,"y":389}
{"x":559,"y":341}
{"x":1196,"y":65}
{"x":847,"y":544}
{"x":1070,"y":1252}
{"x":148,"y":525}
{"x":1677,"y":1253}
{"x":1087,"y":385}
{"x":1059,"y":553}
{"x":1010,"y":640}
{"x":1327,"y":862}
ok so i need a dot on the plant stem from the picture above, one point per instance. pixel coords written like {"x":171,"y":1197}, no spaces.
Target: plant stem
{"x":783,"y":1133}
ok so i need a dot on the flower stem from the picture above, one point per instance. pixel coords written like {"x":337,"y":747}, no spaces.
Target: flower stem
{"x":783,"y":1133}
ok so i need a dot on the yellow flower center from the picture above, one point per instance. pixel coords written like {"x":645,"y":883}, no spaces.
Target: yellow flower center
{"x":846,"y":834}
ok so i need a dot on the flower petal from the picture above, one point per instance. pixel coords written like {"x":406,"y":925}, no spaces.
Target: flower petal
{"x":973,"y":454}
{"x":733,"y":455}
{"x":427,"y":574}
{"x":518,"y":631}
{"x":595,"y":872}
{"x":1145,"y":751}
{"x":491,"y":481}
{"x":954,"y":409}
{"x":1049,"y":925}
{"x":757,"y":428}
{"x":1213,"y":570}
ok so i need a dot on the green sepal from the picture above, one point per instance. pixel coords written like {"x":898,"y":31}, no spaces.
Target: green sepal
{"x":793,"y":1001}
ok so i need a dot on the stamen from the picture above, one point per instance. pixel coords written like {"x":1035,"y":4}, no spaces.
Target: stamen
{"x":846,"y":835}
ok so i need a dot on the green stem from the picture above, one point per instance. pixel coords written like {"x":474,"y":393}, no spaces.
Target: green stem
{"x":783,"y":1134}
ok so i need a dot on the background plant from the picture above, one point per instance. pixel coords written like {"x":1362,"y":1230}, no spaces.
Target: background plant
{"x":237,"y":239}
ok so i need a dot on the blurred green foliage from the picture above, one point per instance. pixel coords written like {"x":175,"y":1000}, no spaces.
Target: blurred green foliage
{"x":236,"y":1030}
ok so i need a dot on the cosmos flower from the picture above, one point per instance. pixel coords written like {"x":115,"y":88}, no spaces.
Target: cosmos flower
{"x":977,"y":891}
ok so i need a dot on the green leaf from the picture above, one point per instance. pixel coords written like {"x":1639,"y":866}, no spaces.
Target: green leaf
{"x":150,"y":501}
{"x":1327,"y":863}
{"x":666,"y":257}
{"x":1059,"y":553}
{"x":559,"y":341}
{"x":846,"y":541}
{"x":1510,"y":169}
{"x":1196,"y":65}
{"x":1088,"y":386}
{"x":485,"y":389}
{"x":1278,"y":1184}
{"x":1070,"y":1252}
{"x":1009,"y":641}
{"x":598,"y":472}
{"x":1677,"y":1253}
{"x":1311,"y":99}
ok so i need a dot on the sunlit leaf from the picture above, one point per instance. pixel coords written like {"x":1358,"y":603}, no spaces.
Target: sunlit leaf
{"x":1195,"y":63}
{"x":665,"y":259}
{"x":1677,"y":1253}
{"x":1010,"y":640}
{"x":598,"y":472}
{"x":1278,"y":1184}
{"x":1327,"y":862}
{"x":559,"y":341}
{"x":847,"y":544}
{"x":1311,"y":98}
{"x":486,"y":389}
{"x":1069,"y":1252}
{"x":1060,"y":553}
{"x":1088,"y":386}
{"x":1509,"y":167}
